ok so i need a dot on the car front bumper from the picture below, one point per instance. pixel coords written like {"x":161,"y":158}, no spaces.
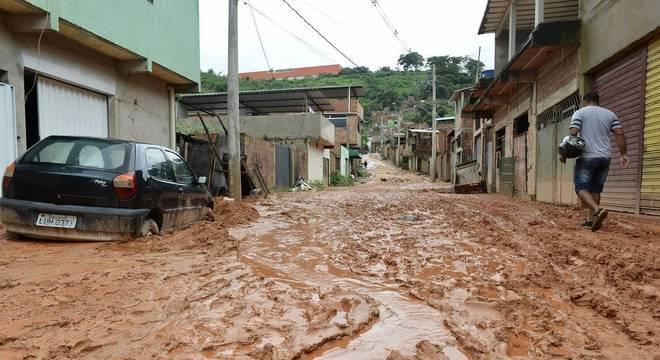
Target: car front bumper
{"x":92,"y":223}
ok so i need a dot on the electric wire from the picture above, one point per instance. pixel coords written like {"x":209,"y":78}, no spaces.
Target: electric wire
{"x":263,"y":49}
{"x":283,"y":28}
{"x":389,"y":24}
{"x":36,"y":73}
{"x":319,"y":33}
{"x":349,"y":28}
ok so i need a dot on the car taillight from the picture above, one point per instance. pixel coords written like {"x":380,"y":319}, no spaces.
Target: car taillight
{"x":125,"y":186}
{"x":6,"y":179}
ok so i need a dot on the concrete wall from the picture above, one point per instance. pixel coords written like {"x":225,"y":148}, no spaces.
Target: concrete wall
{"x":142,"y":109}
{"x":467,"y":174}
{"x":290,"y":126}
{"x":165,"y":32}
{"x":344,"y":161}
{"x":314,"y":162}
{"x":138,"y":105}
{"x":610,"y":26}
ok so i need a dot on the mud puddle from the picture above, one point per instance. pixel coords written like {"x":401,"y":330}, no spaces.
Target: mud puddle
{"x":402,"y":322}
{"x":300,"y":253}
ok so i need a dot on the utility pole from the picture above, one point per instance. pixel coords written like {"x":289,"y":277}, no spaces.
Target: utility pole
{"x":476,"y":76}
{"x":434,"y":136}
{"x":382,"y":136}
{"x":233,"y":125}
{"x":398,"y":139}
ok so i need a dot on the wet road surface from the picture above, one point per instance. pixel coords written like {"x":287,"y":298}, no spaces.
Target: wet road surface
{"x":396,"y":268}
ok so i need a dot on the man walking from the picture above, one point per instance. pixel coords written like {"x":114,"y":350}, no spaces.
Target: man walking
{"x":594,"y":125}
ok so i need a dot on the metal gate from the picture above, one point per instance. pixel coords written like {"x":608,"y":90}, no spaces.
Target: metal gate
{"x":282,"y":166}
{"x":520,"y":155}
{"x":8,"y":126}
{"x":620,"y":87}
{"x":69,"y":110}
{"x":507,"y":174}
{"x":554,"y":180}
{"x":650,"y":196}
{"x":489,"y":165}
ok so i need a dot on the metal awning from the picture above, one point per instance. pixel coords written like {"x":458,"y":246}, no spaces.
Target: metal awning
{"x":261,"y":102}
{"x":354,"y":154}
{"x":496,"y":16}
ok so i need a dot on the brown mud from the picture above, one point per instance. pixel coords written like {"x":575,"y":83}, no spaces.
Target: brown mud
{"x":397,"y":268}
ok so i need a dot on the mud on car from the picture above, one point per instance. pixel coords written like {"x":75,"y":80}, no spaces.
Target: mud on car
{"x":94,"y":189}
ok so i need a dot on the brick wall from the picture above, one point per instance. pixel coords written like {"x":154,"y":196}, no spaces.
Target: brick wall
{"x":556,"y":74}
{"x":341,"y":136}
{"x":341,"y":106}
{"x":260,"y":153}
{"x":523,"y":93}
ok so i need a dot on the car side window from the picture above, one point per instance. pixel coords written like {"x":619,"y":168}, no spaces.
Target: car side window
{"x":157,"y":165}
{"x":182,"y":172}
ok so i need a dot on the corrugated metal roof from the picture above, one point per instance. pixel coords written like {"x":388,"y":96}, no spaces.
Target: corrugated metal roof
{"x":272,"y":101}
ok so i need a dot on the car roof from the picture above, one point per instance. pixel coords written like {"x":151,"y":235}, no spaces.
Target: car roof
{"x":100,"y":138}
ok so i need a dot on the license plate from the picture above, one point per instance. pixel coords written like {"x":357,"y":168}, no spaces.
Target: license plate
{"x":57,"y":221}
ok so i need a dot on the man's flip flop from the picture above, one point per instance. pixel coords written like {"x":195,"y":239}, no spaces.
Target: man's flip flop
{"x":598,"y":219}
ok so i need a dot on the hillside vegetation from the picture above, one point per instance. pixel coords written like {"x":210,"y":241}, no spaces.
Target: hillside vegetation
{"x":406,"y":90}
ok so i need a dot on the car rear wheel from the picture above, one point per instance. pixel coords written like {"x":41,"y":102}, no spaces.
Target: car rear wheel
{"x":149,"y":227}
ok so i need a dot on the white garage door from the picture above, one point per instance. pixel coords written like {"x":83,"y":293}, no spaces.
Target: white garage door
{"x":8,"y":126}
{"x":69,"y":110}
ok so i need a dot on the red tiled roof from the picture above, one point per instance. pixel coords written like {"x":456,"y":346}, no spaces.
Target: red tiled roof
{"x":288,"y":73}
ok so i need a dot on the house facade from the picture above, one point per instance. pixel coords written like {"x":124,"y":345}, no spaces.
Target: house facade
{"x":548,"y":53}
{"x":347,"y":117}
{"x":94,"y":68}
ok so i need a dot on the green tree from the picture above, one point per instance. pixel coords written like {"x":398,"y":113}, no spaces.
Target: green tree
{"x":213,"y":82}
{"x":411,"y":61}
{"x":355,"y":70}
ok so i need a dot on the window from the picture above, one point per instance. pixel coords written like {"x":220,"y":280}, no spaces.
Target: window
{"x":88,"y":153}
{"x":339,"y":122}
{"x":520,"y":124}
{"x":182,"y":172}
{"x":158,"y":166}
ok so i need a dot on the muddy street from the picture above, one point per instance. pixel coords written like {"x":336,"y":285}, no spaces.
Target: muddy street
{"x":396,"y":268}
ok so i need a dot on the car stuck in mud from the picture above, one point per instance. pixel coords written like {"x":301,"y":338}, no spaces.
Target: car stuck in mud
{"x":92,"y":189}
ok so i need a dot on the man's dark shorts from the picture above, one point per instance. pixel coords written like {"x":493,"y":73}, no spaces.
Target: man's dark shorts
{"x":590,"y":174}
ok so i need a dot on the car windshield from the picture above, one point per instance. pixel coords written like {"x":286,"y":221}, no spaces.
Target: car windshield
{"x":89,"y":153}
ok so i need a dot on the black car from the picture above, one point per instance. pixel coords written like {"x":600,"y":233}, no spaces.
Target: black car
{"x":92,"y":189}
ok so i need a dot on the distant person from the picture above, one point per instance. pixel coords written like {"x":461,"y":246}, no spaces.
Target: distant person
{"x":594,"y":124}
{"x":365,"y":164}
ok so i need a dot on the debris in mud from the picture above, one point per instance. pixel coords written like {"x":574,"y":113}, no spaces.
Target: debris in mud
{"x":408,"y":218}
{"x":468,"y":188}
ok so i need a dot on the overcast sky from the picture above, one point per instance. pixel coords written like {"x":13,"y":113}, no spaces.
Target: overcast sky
{"x":430,"y":27}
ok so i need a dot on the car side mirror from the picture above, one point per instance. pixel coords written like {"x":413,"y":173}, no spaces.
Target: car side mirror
{"x":201,"y":180}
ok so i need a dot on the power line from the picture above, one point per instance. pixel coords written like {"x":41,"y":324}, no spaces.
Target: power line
{"x":389,"y":24}
{"x":283,"y":28}
{"x":349,"y":28}
{"x":319,"y":33}
{"x":263,"y":49}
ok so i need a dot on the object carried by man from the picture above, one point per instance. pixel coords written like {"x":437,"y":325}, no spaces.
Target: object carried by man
{"x":571,"y":147}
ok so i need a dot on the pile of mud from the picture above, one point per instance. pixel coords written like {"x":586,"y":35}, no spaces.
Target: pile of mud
{"x":228,"y":212}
